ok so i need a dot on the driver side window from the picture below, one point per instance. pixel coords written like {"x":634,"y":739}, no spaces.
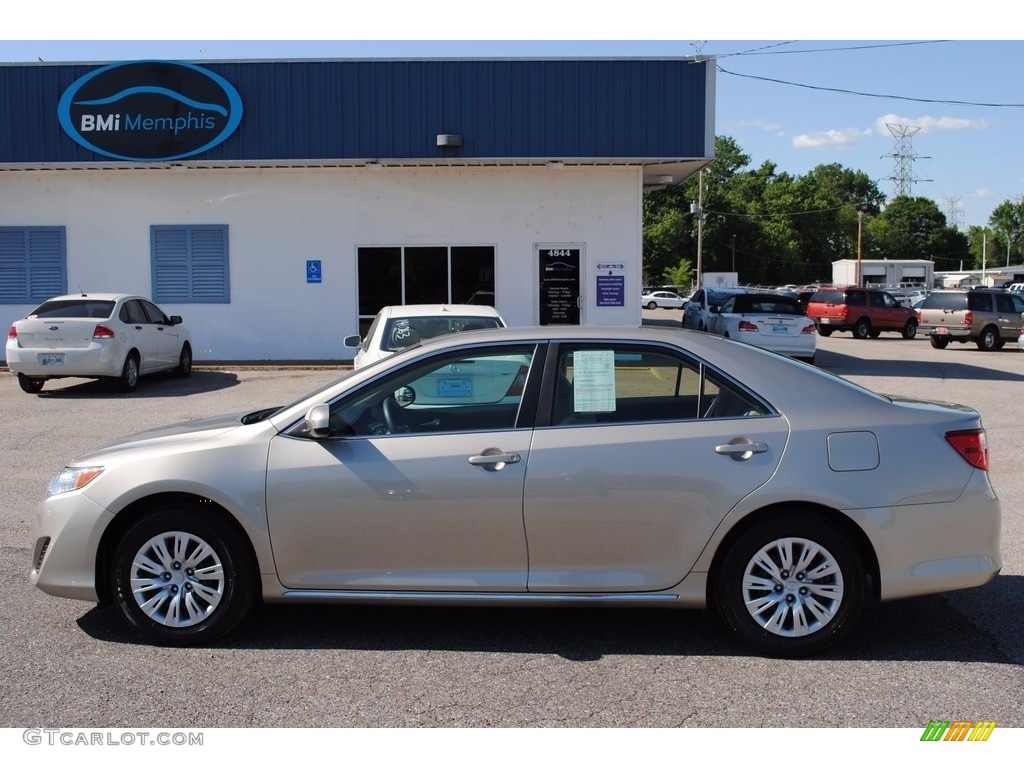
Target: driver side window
{"x":464,"y":391}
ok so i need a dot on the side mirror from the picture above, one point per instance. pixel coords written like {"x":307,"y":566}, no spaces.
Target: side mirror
{"x":176,"y":320}
{"x":352,"y":341}
{"x":318,"y":421}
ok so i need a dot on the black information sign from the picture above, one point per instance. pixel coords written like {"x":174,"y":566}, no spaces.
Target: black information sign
{"x":559,"y":286}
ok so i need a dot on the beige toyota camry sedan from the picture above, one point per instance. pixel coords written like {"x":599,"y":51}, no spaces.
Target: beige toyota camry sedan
{"x":552,"y":466}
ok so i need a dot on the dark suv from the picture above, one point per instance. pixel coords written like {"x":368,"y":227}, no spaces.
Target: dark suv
{"x":989,"y":318}
{"x":865,"y":311}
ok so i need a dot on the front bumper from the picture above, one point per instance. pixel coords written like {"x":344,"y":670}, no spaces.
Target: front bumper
{"x":66,"y":533}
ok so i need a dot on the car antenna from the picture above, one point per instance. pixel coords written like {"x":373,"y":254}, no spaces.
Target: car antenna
{"x":80,"y":289}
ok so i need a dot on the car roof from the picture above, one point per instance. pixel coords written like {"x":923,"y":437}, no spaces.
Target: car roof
{"x":433,"y":310}
{"x":95,"y":296}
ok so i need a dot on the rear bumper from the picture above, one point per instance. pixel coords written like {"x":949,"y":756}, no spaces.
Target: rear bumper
{"x":98,"y":359}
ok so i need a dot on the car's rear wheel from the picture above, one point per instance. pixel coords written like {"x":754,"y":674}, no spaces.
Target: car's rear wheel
{"x":184,"y":367}
{"x":31,"y":385}
{"x":790,"y":585}
{"x":938,"y":343}
{"x":129,"y":378}
{"x":182,"y":577}
{"x":910,"y":329}
{"x":988,"y":339}
{"x":862,"y":328}
{"x":823,"y":331}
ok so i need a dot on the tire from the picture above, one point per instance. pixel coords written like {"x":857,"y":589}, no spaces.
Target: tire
{"x":862,"y":328}
{"x":988,"y":339}
{"x":874,"y":334}
{"x":30,"y":385}
{"x":652,"y":305}
{"x":183,"y":577}
{"x":184,"y":368}
{"x":129,"y":378}
{"x":823,"y":331}
{"x":938,"y":343}
{"x":781,"y":612}
{"x":910,"y":329}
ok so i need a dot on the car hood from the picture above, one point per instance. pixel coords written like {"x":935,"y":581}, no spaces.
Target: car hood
{"x":183,"y":432}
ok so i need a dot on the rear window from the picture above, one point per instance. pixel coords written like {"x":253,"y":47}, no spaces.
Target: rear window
{"x":773,"y":305}
{"x":405,"y":331}
{"x":829,"y":297}
{"x":951,"y":301}
{"x":75,"y":308}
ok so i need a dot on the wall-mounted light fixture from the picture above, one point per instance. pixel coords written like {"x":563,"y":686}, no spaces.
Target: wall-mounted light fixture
{"x":373,"y":165}
{"x":555,"y":165}
{"x":665,"y":179}
{"x":449,"y":140}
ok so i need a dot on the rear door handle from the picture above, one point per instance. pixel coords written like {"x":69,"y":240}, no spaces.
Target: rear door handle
{"x":741,"y":449}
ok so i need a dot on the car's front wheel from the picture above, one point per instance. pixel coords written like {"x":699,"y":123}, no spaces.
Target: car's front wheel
{"x":182,"y":577}
{"x":652,"y":305}
{"x":790,"y":585}
{"x":184,"y":367}
{"x":29,"y":384}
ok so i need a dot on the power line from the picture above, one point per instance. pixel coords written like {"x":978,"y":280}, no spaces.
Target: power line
{"x":849,"y":92}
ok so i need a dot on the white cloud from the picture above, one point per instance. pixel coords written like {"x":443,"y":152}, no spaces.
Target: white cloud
{"x":982,"y":194}
{"x":929,"y":124}
{"x":762,"y":125}
{"x":834,"y":139}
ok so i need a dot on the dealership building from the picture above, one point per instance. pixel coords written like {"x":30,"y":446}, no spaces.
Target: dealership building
{"x":277,"y":205}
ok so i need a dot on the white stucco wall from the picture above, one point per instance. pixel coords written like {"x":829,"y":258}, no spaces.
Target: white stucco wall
{"x":279,"y":218}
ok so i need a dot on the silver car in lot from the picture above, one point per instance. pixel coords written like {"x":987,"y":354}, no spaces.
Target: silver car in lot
{"x":97,"y":335}
{"x":553,"y":466}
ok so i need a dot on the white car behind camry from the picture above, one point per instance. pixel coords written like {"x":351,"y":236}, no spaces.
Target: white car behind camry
{"x":399,"y":326}
{"x":95,"y":336}
{"x":769,"y":321}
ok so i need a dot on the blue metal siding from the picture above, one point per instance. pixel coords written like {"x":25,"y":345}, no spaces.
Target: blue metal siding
{"x":350,"y":110}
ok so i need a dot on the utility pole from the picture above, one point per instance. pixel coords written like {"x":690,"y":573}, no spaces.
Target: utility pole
{"x":698,"y":208}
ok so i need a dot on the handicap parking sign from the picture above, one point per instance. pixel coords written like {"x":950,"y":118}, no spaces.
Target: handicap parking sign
{"x":314,"y":274}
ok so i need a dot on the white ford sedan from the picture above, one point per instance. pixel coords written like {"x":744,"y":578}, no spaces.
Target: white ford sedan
{"x":551,"y":466}
{"x":97,"y":335}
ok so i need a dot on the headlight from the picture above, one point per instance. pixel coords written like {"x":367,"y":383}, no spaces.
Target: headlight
{"x":71,"y":479}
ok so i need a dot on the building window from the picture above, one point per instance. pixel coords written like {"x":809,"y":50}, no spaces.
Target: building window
{"x":457,"y":274}
{"x":33,"y":264}
{"x":190,"y":264}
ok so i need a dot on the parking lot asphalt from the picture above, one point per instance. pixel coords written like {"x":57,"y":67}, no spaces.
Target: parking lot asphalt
{"x":71,"y":664}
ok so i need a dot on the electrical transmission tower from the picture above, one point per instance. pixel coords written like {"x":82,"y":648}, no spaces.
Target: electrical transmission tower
{"x":954,"y":212}
{"x":903,"y":175}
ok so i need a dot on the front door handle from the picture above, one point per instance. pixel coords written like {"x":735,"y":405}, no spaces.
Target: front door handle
{"x":493,"y":459}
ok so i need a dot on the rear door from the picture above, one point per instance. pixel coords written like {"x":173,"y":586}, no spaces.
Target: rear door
{"x":645,"y":454}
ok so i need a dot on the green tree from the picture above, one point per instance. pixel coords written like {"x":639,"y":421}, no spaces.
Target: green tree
{"x":914,"y":228}
{"x":1007,"y":222}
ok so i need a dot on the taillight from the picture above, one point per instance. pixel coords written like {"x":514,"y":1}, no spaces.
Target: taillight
{"x":808,"y":329}
{"x":971,"y":445}
{"x":969,"y":318}
{"x":12,"y":332}
{"x":746,"y":325}
{"x":103,"y":332}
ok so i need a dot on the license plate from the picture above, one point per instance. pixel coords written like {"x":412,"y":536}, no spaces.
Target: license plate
{"x":454,"y":388}
{"x":941,"y":330}
{"x":825,"y":320}
{"x":780,"y":329}
{"x":53,"y":358}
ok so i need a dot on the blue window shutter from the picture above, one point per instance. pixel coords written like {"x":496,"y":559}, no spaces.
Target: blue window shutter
{"x":190,"y":263}
{"x":33,"y":264}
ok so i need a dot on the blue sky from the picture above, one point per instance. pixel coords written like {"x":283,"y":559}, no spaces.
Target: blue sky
{"x":794,"y":102}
